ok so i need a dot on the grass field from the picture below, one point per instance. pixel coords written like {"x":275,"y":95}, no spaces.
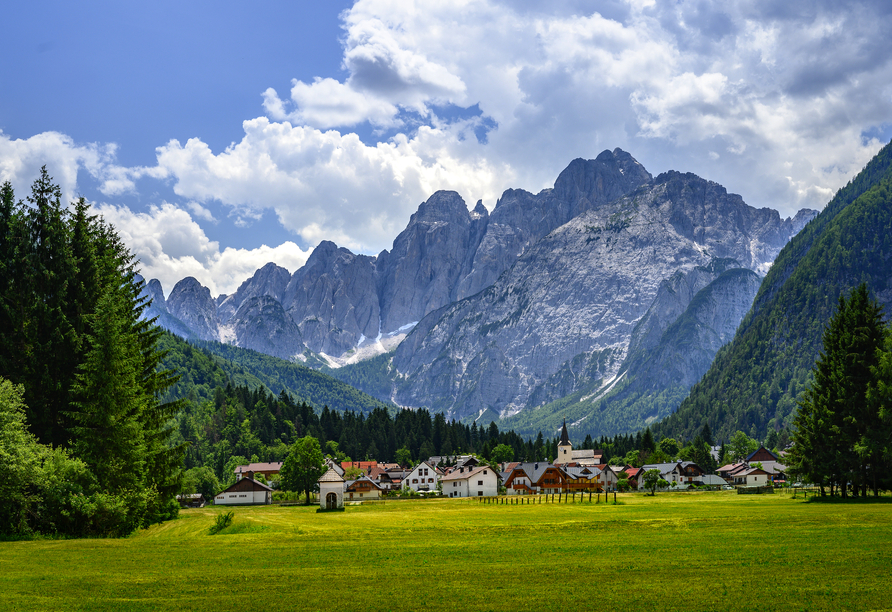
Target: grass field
{"x":675,"y":551}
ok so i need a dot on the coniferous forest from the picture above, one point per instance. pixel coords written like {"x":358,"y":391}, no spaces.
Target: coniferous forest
{"x":87,"y":438}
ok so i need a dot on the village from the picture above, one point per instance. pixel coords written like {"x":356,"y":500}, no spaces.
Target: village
{"x":466,"y":476}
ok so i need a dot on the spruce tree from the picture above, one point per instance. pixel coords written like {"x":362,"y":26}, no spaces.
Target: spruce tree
{"x":835,"y":414}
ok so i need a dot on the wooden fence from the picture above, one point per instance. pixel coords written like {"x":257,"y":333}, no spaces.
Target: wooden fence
{"x":547,"y":498}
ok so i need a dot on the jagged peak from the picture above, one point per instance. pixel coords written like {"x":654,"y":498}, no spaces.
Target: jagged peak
{"x":190,"y":283}
{"x":585,"y":177}
{"x":480,"y":209}
{"x":442,"y":206}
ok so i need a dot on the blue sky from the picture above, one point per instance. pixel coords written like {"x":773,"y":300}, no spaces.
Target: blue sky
{"x":219,"y":136}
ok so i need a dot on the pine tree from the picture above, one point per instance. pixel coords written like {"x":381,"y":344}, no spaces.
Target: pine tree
{"x":835,"y":414}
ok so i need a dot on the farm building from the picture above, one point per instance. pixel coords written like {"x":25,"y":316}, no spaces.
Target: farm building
{"x":244,"y":492}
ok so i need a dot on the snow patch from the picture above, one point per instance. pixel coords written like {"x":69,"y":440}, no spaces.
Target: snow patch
{"x":610,"y":384}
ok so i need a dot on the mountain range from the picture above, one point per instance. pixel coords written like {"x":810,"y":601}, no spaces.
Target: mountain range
{"x":600,"y":300}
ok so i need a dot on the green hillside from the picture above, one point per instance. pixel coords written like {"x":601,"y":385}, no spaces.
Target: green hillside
{"x":755,"y":380}
{"x":204,"y":366}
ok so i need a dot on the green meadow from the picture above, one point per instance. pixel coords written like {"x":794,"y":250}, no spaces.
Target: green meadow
{"x":675,"y":551}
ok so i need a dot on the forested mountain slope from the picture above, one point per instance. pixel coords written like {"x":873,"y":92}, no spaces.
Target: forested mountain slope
{"x":204,"y":366}
{"x":755,"y":380}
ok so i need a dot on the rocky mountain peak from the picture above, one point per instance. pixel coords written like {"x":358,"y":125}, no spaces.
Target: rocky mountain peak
{"x":192,"y":303}
{"x":270,"y":280}
{"x":610,"y":175}
{"x":443,"y":206}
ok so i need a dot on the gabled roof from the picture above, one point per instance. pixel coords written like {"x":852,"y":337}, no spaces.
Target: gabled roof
{"x":732,"y":468}
{"x":759,"y":450}
{"x":535,"y":470}
{"x":353,"y":484}
{"x":330,"y":476}
{"x":246,"y":484}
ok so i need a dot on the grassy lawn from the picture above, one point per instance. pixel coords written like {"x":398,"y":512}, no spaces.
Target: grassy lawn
{"x":675,"y":551}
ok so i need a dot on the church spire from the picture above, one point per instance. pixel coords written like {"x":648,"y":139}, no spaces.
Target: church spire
{"x":565,"y":439}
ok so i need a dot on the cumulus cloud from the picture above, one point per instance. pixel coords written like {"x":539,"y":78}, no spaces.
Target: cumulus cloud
{"x":170,"y":246}
{"x":328,"y":185}
{"x":780,"y":102}
{"x":22,"y":158}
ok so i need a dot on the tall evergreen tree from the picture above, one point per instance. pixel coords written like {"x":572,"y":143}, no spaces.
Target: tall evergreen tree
{"x":835,"y":414}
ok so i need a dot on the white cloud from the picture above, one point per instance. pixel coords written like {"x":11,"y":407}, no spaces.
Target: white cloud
{"x":327,"y":185}
{"x":171,"y":246}
{"x":328,"y":103}
{"x":773,"y":100}
{"x":21,"y":160}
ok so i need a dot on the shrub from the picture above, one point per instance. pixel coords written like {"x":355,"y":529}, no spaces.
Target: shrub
{"x":221,"y":522}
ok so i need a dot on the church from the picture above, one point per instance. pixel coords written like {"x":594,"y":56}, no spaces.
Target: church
{"x":567,"y":456}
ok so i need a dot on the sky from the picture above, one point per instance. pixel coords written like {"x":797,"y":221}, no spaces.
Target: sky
{"x":219,"y":136}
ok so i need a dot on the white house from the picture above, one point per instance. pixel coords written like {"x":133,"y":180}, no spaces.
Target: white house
{"x":422,"y":478}
{"x":753,"y":477}
{"x":478,"y":481}
{"x":245,"y":491}
{"x":670,"y":472}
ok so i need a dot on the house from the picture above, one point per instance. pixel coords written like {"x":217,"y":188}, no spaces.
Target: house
{"x":331,"y":490}
{"x":535,"y":477}
{"x":363,"y":488}
{"x":670,"y":472}
{"x":392,"y":480}
{"x":423,"y":477}
{"x":245,"y":491}
{"x":728,"y":471}
{"x":633,"y":474}
{"x":590,"y":478}
{"x":770,"y":462}
{"x":752,"y":477}
{"x":477,"y":481}
{"x":690,"y":472}
{"x":267,"y":469}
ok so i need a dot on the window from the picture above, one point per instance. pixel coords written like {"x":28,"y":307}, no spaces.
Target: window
{"x":430,"y":479}
{"x":479,"y":483}
{"x":414,"y":481}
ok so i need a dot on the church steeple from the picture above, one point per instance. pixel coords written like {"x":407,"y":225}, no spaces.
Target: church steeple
{"x":564,"y":449}
{"x":565,"y":439}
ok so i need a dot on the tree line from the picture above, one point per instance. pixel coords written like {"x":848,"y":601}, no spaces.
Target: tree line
{"x":85,"y":438}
